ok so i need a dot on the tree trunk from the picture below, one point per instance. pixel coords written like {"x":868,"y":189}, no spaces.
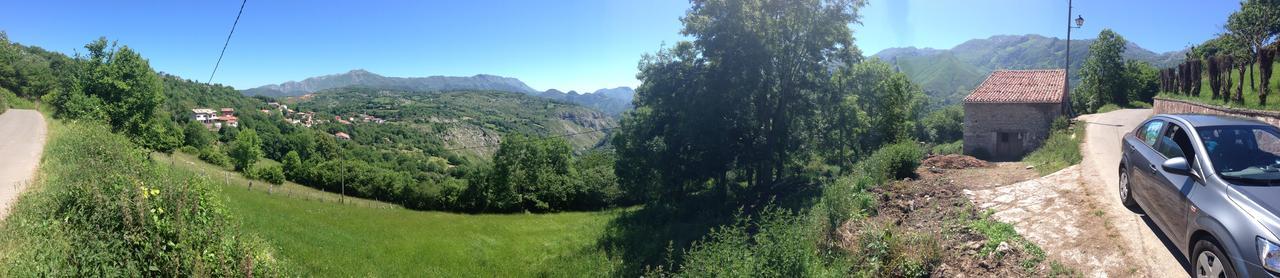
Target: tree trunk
{"x":1240,"y":89}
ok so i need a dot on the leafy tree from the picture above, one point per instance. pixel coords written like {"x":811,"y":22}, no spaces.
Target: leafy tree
{"x":1103,"y":78}
{"x":944,"y":125}
{"x":531,"y":174}
{"x":737,"y":98}
{"x":292,"y":165}
{"x":160,"y":135}
{"x":1144,"y":80}
{"x":195,"y":135}
{"x":1256,"y":25}
{"x":246,"y":150}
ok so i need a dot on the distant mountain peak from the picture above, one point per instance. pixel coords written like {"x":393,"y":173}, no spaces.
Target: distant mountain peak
{"x":361,"y":77}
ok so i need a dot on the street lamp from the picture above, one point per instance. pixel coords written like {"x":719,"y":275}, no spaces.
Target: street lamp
{"x":1066,"y":76}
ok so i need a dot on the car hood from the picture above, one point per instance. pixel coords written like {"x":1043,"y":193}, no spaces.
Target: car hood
{"x":1262,"y":203}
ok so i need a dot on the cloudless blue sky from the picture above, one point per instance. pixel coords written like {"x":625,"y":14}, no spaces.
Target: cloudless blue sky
{"x":564,"y":44}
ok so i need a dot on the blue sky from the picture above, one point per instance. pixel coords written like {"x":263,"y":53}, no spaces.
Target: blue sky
{"x":564,"y":44}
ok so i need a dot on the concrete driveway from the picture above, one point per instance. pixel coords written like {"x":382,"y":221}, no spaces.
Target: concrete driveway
{"x":22,"y":136}
{"x":1101,"y":150}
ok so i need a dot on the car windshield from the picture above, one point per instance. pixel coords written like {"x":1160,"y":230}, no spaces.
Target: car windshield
{"x":1247,"y":154}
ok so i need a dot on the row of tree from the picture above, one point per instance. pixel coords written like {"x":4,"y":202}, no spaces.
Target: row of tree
{"x":1247,"y":46}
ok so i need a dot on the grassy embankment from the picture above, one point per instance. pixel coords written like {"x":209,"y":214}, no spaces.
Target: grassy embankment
{"x":321,"y":237}
{"x":1060,"y":150}
{"x":1250,"y":95}
{"x":98,"y":207}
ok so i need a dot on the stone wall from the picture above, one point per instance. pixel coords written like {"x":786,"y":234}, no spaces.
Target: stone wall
{"x":1029,"y":122}
{"x":1174,"y":106}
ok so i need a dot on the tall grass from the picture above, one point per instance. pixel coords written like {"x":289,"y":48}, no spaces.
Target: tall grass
{"x":1060,"y":150}
{"x":101,"y":208}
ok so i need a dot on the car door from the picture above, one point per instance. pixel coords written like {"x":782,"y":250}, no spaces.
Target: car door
{"x":1169,"y":191}
{"x":1140,"y":156}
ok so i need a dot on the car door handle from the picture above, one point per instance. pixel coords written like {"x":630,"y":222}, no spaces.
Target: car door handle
{"x":1153,"y":167}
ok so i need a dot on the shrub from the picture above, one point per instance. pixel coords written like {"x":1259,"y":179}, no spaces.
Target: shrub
{"x":956,"y":147}
{"x":895,"y":161}
{"x":1108,"y":108}
{"x":1140,"y":104}
{"x":215,"y":156}
{"x":103,"y":209}
{"x":273,"y":174}
{"x":887,"y":251}
{"x":189,"y":150}
{"x":944,"y":125}
{"x":779,"y":243}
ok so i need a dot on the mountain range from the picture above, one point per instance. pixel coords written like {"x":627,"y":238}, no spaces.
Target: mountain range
{"x":612,"y":101}
{"x":947,"y":75}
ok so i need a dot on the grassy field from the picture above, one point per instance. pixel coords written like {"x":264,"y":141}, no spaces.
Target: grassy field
{"x":320,"y":237}
{"x":1250,"y":95}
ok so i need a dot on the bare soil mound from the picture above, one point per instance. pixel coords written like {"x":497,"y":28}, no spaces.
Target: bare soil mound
{"x":953,"y":161}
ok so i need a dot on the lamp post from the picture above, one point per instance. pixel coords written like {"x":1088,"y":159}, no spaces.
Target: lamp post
{"x":1066,"y":75}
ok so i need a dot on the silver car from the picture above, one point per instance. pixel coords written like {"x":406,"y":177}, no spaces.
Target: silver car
{"x":1212,"y":186}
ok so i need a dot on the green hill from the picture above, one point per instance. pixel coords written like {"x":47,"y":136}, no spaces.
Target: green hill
{"x":949,"y":74}
{"x":470,"y":121}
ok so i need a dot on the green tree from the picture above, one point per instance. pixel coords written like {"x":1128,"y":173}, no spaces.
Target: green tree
{"x":1144,"y":80}
{"x":944,"y":125}
{"x":195,"y":135}
{"x":292,"y":165}
{"x":739,"y":97}
{"x":1102,"y":78}
{"x":531,"y":174}
{"x":245,"y":150}
{"x":1256,"y":25}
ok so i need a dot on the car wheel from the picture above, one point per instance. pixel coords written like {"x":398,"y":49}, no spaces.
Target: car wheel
{"x":1209,"y":261}
{"x":1126,"y":191}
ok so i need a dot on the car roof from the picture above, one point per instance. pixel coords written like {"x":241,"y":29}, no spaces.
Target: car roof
{"x":1202,"y":120}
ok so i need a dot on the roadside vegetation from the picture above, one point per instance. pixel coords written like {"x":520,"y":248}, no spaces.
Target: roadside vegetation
{"x":100,"y":208}
{"x":1060,"y":150}
{"x":1234,"y":69}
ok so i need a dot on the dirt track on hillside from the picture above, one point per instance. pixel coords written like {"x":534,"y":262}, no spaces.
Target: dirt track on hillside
{"x":22,"y":136}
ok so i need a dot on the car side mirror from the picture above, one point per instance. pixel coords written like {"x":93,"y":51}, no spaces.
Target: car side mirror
{"x":1176,"y":165}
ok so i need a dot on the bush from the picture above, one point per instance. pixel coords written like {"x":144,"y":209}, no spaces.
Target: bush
{"x":103,"y":209}
{"x":1140,"y":104}
{"x":273,"y":174}
{"x":943,"y":125}
{"x":956,"y":147}
{"x":892,"y":162}
{"x":189,"y":150}
{"x":215,"y":156}
{"x":1108,"y":108}
{"x":779,"y":243}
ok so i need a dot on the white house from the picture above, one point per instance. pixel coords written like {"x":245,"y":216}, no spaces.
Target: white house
{"x":204,"y":115}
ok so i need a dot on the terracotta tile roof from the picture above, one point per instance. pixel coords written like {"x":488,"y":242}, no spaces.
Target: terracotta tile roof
{"x":1020,"y":86}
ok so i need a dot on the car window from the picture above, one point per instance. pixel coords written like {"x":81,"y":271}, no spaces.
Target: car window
{"x":1250,"y":153}
{"x":1148,"y":133}
{"x":1174,"y":142}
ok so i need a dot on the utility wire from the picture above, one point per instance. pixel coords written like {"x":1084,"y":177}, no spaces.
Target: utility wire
{"x":536,"y":139}
{"x":224,"y":44}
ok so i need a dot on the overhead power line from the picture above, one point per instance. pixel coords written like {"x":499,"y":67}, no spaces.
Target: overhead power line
{"x":536,"y":139}
{"x":224,"y":44}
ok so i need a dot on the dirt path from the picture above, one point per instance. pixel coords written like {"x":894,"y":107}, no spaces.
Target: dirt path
{"x":22,"y":135}
{"x":1101,"y":150}
{"x":1075,"y":214}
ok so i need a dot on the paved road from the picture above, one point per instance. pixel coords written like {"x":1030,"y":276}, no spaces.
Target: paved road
{"x":22,"y":135}
{"x":1101,"y":150}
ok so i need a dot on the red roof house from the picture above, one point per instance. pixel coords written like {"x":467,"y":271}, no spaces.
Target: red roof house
{"x":1010,"y":113}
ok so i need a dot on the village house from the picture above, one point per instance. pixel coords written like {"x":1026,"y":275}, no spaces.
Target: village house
{"x":1010,"y":114}
{"x":342,"y":136}
{"x":203,"y":115}
{"x":227,"y":116}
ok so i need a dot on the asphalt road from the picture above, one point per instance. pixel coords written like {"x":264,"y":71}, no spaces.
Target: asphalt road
{"x":1101,"y":150}
{"x":22,"y":136}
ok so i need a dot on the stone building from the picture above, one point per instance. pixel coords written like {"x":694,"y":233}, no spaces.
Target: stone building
{"x":1010,"y":113}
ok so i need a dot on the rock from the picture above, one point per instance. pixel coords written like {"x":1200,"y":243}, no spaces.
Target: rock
{"x":1003,"y":248}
